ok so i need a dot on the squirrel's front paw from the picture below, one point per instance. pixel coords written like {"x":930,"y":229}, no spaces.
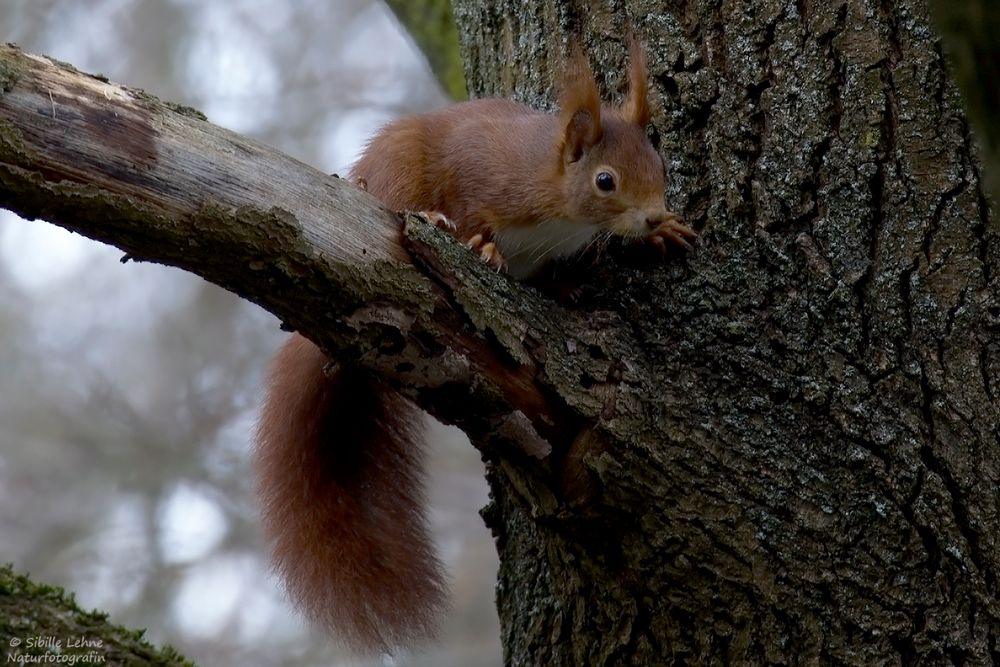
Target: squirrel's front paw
{"x":673,"y":230}
{"x":488,"y":251}
{"x":439,"y":220}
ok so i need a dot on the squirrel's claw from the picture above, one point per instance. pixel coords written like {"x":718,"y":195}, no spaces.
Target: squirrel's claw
{"x":439,"y":220}
{"x":673,"y":230}
{"x":479,"y":243}
{"x":488,"y":251}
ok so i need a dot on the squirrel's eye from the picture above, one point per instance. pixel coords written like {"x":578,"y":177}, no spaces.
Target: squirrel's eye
{"x":604,"y":181}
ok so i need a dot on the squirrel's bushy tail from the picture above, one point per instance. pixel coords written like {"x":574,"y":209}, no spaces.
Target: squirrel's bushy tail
{"x":339,"y":471}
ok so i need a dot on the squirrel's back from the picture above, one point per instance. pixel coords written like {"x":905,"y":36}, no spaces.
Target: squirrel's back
{"x":478,"y":162}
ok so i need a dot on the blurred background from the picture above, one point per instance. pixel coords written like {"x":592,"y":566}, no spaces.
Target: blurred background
{"x":128,"y":391}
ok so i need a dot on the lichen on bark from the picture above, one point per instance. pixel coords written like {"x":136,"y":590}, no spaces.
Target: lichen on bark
{"x":40,"y":624}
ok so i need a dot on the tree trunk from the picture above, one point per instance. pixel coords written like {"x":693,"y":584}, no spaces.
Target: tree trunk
{"x":808,"y":469}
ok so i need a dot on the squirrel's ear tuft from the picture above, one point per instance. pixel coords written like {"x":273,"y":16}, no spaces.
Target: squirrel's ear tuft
{"x":636,"y":105}
{"x":579,"y":106}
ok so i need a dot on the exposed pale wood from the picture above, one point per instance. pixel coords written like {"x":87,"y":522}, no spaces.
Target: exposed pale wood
{"x":85,"y":134}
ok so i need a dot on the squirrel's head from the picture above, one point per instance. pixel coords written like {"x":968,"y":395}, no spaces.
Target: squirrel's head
{"x":612,"y":175}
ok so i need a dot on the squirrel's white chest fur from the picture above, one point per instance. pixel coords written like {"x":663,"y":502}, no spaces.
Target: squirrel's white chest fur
{"x":528,"y":249}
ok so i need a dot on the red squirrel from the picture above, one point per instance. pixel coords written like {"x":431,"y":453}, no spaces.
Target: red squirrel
{"x":338,"y":454}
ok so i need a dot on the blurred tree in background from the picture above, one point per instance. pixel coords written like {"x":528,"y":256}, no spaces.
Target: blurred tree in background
{"x":432,"y":26}
{"x":970,"y":32}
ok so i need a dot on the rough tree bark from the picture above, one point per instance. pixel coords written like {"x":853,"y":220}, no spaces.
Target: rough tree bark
{"x":780,"y":449}
{"x":813,"y":473}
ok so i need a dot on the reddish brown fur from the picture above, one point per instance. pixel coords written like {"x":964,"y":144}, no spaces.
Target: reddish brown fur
{"x":493,"y":163}
{"x":636,"y":106}
{"x":579,"y":107}
{"x":459,"y":161}
{"x":338,"y":460}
